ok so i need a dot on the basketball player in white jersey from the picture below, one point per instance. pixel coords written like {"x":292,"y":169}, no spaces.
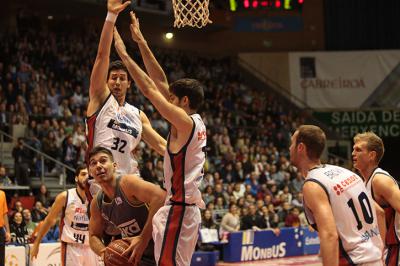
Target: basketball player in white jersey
{"x":336,"y":203}
{"x":368,"y":151}
{"x":74,"y":225}
{"x":111,"y":122}
{"x":175,"y":226}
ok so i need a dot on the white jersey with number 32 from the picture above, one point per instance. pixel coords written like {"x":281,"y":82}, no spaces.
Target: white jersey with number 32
{"x":353,"y":210}
{"x":119,"y":129}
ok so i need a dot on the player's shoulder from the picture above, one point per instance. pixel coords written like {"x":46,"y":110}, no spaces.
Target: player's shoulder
{"x":62,"y":196}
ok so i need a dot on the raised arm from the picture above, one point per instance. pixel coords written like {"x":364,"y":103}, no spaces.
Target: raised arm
{"x":49,"y":221}
{"x":146,"y":192}
{"x":154,"y":69}
{"x":317,"y":200}
{"x":98,"y":89}
{"x":96,"y":229}
{"x":175,"y":115}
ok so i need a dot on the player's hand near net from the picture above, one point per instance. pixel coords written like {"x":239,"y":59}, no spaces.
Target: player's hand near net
{"x":137,"y":35}
{"x":116,"y":6}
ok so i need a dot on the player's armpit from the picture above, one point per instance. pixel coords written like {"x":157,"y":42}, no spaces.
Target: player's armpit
{"x":151,"y":137}
{"x":317,"y":201}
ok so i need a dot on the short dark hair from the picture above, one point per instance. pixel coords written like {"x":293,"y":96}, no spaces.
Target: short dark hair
{"x":190,"y":88}
{"x":117,"y":65}
{"x":100,"y":149}
{"x":313,"y":138}
{"x":79,"y":168}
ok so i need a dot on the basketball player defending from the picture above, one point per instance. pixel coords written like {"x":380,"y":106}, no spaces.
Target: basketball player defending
{"x":74,"y":225}
{"x":336,"y":204}
{"x":111,"y":122}
{"x":368,"y":151}
{"x":175,"y":226}
{"x":126,"y":201}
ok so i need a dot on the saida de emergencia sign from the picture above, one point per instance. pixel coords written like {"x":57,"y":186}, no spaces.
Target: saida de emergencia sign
{"x":385,"y":123}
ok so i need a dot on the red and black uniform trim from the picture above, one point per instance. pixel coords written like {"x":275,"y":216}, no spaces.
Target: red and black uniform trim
{"x":178,"y":205}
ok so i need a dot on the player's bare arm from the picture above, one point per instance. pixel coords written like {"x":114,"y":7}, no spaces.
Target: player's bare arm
{"x":151,"y":137}
{"x":387,"y":191}
{"x":138,"y":189}
{"x":153,"y":68}
{"x":380,"y":216}
{"x":49,"y":221}
{"x":98,"y":90}
{"x":96,"y":229}
{"x":318,"y":202}
{"x":175,"y":115}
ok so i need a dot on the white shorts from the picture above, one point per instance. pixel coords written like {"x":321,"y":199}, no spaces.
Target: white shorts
{"x":78,"y":255}
{"x":175,"y":234}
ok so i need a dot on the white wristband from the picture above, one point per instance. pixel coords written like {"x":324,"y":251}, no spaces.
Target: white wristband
{"x":112,"y":17}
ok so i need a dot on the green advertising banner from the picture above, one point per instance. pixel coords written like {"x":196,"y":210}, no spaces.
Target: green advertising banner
{"x":385,"y":123}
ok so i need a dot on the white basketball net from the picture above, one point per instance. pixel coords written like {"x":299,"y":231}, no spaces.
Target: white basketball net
{"x":193,"y":13}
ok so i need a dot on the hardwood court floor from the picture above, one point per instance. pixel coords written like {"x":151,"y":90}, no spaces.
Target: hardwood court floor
{"x":312,"y":260}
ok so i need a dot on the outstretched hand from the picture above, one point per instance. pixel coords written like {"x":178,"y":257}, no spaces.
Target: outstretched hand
{"x":119,"y":43}
{"x":137,"y":35}
{"x":116,"y":6}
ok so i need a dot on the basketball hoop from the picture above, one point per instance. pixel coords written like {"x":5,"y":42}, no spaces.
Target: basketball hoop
{"x":193,"y":13}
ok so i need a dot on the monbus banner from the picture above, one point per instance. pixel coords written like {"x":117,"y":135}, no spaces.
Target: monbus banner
{"x":385,"y":123}
{"x":339,"y":79}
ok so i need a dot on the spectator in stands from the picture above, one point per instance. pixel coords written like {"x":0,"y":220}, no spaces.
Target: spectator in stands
{"x":229,"y":175}
{"x":50,"y":148}
{"x":230,"y":222}
{"x":207,"y":221}
{"x":70,"y":156}
{"x":252,"y":180}
{"x":4,"y":179}
{"x":252,"y":221}
{"x":19,"y":234}
{"x":148,"y":173}
{"x":43,"y":196}
{"x":297,"y":183}
{"x":208,"y":196}
{"x":238,"y":191}
{"x":5,"y":117}
{"x":292,"y":219}
{"x":220,"y":192}
{"x":31,"y":135}
{"x":38,"y":212}
{"x":286,"y":192}
{"x":17,"y":207}
{"x":271,"y":219}
{"x":283,"y":213}
{"x":29,"y":224}
{"x":22,"y":163}
{"x":298,"y":201}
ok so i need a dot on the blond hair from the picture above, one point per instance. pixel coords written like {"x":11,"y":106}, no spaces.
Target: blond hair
{"x":374,"y":143}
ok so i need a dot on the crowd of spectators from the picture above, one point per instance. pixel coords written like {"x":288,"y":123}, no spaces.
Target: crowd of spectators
{"x":249,"y":182}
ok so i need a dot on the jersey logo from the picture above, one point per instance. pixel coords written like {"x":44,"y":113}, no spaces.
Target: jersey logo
{"x":118,"y":200}
{"x":201,"y":135}
{"x":129,"y":228}
{"x":122,"y":127}
{"x":345,"y":184}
